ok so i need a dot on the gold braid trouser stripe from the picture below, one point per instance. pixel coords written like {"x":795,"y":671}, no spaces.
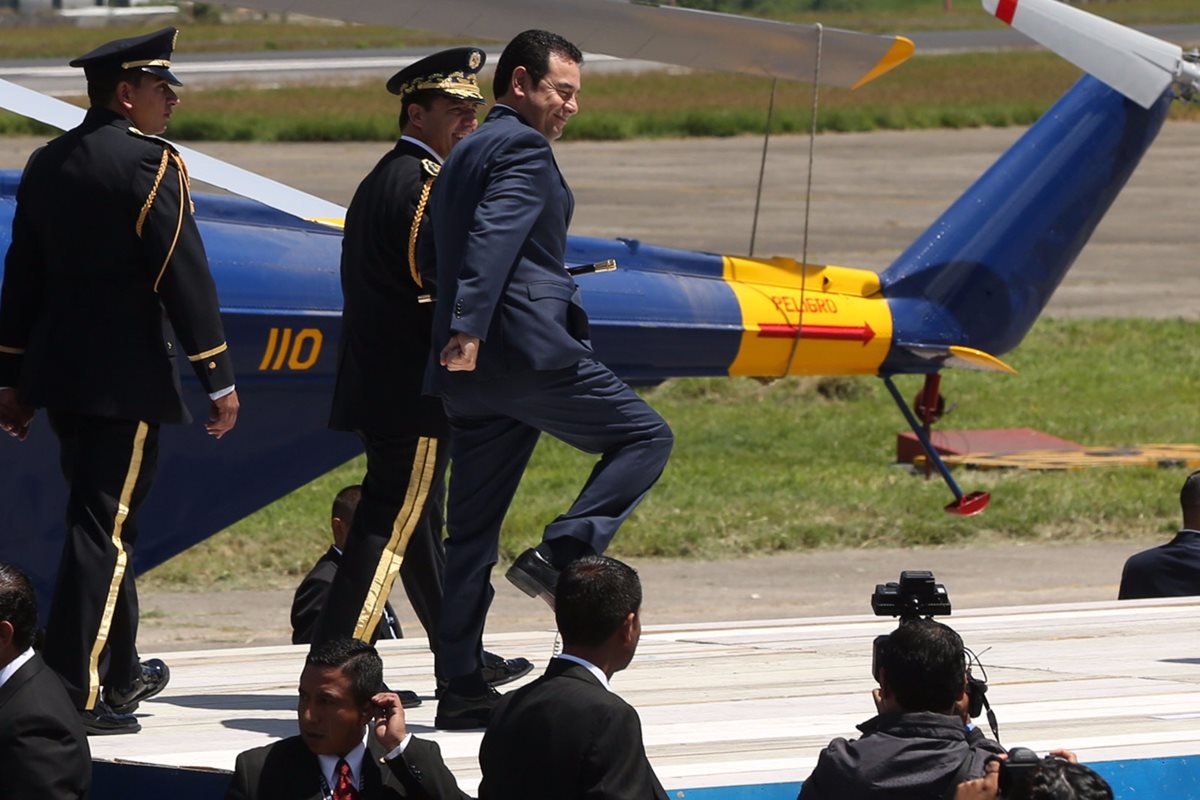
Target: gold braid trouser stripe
{"x":416,"y":229}
{"x":424,"y":462}
{"x":114,"y":586}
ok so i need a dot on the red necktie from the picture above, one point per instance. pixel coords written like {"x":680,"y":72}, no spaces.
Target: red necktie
{"x":344,"y":790}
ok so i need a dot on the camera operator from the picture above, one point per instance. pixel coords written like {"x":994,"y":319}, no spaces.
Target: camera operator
{"x":1060,"y":777}
{"x":919,"y":745}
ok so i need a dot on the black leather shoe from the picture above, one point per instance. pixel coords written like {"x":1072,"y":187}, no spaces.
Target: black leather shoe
{"x":152,"y":680}
{"x":534,"y":575}
{"x":498,"y":671}
{"x":103,"y":721}
{"x":408,"y":699}
{"x":456,"y":712}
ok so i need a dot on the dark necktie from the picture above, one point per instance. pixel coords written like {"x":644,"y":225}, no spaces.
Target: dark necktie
{"x":344,"y":789}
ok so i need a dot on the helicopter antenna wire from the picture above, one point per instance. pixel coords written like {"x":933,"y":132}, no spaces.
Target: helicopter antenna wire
{"x":762,"y":167}
{"x":812,"y":142}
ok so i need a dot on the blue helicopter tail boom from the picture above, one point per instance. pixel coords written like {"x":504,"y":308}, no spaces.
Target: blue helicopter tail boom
{"x":982,"y":273}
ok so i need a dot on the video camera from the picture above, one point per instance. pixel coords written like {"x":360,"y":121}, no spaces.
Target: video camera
{"x":918,"y":596}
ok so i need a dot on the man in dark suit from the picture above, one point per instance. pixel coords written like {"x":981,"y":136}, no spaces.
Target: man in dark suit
{"x":313,"y":592}
{"x":352,"y":743}
{"x":511,"y":358}
{"x":567,"y":735}
{"x":105,"y":261}
{"x":44,"y":752}
{"x":386,"y":273}
{"x":1171,"y":569}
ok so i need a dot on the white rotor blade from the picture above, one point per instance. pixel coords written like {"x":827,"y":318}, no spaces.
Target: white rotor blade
{"x":668,"y":35}
{"x":52,"y":111}
{"x":1136,"y":64}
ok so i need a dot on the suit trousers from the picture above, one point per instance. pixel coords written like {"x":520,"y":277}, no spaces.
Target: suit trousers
{"x":397,"y":528}
{"x":91,"y":634}
{"x":495,"y":425}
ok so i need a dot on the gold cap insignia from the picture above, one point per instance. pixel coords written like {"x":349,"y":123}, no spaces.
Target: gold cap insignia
{"x":475,"y":60}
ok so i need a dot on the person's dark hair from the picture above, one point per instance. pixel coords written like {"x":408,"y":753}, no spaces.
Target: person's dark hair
{"x":924,"y":665}
{"x":1054,"y":779}
{"x":593,"y":597}
{"x":18,"y":605}
{"x":346,"y":501}
{"x":1189,"y":495}
{"x":359,"y":660}
{"x":422,"y":98}
{"x":531,"y":50}
{"x":101,"y":89}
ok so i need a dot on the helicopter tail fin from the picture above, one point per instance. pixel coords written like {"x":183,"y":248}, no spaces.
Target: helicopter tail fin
{"x":983,"y":272}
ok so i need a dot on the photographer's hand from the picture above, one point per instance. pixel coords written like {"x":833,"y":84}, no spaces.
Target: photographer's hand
{"x":985,"y":788}
{"x":1065,"y":755}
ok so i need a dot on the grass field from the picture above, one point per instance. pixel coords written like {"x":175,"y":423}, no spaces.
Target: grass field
{"x":245,"y":33}
{"x":19,"y":41}
{"x":807,"y":464}
{"x":956,"y":91}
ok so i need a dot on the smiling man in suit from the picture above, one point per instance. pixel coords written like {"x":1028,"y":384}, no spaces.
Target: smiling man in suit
{"x":43,"y":750}
{"x":567,"y":735}
{"x":335,"y":756}
{"x":512,"y":358}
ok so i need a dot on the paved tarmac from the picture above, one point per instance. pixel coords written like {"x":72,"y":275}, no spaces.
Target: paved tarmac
{"x":685,"y":590}
{"x":872,"y":194}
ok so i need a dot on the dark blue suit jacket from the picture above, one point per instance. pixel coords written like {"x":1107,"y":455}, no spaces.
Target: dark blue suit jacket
{"x":500,"y":210}
{"x":1169,"y":570}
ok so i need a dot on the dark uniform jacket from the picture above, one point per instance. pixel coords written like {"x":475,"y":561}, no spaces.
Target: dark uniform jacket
{"x":44,"y":751}
{"x":565,"y":736}
{"x":104,"y":252}
{"x":1169,"y":570}
{"x":500,"y":214}
{"x":909,"y":756}
{"x":312,"y":593}
{"x":386,"y":265}
{"x":288,"y":770}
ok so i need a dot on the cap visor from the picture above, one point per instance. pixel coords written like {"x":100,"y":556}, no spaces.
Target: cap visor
{"x":165,"y":74}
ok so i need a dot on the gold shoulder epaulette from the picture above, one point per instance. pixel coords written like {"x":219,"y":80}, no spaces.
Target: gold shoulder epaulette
{"x":431,"y":167}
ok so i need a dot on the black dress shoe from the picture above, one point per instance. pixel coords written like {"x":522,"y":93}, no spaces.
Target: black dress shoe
{"x":498,"y":671}
{"x":408,"y":699}
{"x":456,"y":712}
{"x":534,"y":575}
{"x":152,"y":679}
{"x":103,"y":721}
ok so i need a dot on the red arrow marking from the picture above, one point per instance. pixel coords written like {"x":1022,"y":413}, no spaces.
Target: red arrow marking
{"x":846,"y":333}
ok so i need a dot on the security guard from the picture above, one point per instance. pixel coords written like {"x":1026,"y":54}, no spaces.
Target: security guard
{"x":387,"y":272}
{"x":105,"y":261}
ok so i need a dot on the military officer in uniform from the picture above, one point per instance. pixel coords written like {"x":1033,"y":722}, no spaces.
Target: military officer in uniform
{"x":105,"y":271}
{"x":387,"y":279}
